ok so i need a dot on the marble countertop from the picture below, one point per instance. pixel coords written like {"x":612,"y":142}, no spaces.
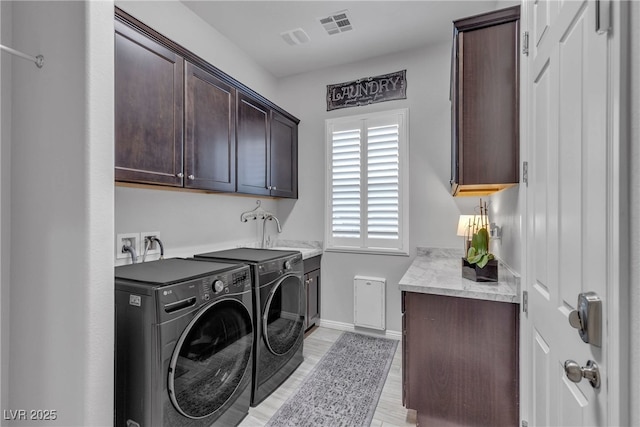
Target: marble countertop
{"x":308,"y":249}
{"x":306,"y":252}
{"x":438,"y":271}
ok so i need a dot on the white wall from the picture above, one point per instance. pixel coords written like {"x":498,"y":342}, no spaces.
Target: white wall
{"x":505,"y":211}
{"x":60,"y":342}
{"x":5,"y":197}
{"x":189,"y":223}
{"x":634,"y":203}
{"x":433,"y":212}
{"x":192,"y":222}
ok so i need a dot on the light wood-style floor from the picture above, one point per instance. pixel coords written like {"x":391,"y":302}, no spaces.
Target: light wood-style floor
{"x":389,"y":412}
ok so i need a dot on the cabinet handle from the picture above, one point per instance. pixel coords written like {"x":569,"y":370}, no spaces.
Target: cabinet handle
{"x":179,"y":174}
{"x":274,"y":188}
{"x":191,"y":177}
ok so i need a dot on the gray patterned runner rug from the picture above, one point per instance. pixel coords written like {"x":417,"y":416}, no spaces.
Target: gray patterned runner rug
{"x":343,"y":388}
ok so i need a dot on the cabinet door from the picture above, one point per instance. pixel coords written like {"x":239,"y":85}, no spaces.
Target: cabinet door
{"x":253,"y":145}
{"x":489,"y":113}
{"x":148,"y":110}
{"x":484,"y":97}
{"x":405,"y":354}
{"x":312,"y":280}
{"x":461,"y":358}
{"x":283,"y":155}
{"x":210,"y":140}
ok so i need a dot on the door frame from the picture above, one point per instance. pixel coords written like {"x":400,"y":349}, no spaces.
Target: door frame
{"x":634,"y":207}
{"x":618,"y":215}
{"x":619,"y":284}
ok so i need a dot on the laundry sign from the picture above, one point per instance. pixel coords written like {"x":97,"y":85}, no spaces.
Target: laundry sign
{"x":368,"y":90}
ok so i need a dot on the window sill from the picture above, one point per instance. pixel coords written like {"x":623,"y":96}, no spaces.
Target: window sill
{"x":368,"y":251}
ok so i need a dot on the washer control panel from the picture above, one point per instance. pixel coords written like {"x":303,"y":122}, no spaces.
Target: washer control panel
{"x":229,"y":282}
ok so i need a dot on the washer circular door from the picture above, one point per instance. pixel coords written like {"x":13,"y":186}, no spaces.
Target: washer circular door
{"x":211,"y":359}
{"x":283,"y":315}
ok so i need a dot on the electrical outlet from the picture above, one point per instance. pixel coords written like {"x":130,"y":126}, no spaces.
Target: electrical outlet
{"x":127,"y":239}
{"x":153,"y":247}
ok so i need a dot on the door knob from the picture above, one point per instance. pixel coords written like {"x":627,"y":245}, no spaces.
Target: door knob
{"x":576,"y":373}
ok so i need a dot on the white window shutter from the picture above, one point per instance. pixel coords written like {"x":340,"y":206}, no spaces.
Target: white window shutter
{"x":366,"y":183}
{"x":346,"y":183}
{"x":383,"y":175}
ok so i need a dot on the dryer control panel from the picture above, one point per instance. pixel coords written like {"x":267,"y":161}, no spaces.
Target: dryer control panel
{"x":281,"y":265}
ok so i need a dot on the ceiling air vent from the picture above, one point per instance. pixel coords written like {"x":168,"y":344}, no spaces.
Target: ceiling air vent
{"x":337,"y":22}
{"x":294,"y":37}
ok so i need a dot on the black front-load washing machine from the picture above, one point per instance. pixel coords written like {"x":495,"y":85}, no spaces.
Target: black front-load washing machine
{"x":279,"y":310}
{"x":184,"y":343}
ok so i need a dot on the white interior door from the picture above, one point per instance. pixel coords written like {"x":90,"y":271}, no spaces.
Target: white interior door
{"x":566,"y":206}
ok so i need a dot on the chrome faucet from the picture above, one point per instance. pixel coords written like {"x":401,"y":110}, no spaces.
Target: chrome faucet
{"x":264,"y":226}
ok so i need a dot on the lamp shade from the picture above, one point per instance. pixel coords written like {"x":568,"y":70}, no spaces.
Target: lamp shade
{"x":463,"y":225}
{"x":467,"y":224}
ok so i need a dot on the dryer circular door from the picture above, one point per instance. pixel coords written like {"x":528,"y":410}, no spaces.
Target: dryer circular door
{"x":283,"y":315}
{"x":211,"y":358}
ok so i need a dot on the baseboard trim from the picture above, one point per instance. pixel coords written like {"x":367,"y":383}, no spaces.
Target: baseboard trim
{"x":341,"y":326}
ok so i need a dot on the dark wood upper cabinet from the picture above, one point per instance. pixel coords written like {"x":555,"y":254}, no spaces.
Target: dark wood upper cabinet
{"x":253,"y":146}
{"x":284,"y":156}
{"x":210,"y":140}
{"x":182,"y":122}
{"x":148,"y":110}
{"x":484,"y":103}
{"x":267,"y":150}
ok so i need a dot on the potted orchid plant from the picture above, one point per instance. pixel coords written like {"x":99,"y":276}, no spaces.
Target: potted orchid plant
{"x":480,"y":264}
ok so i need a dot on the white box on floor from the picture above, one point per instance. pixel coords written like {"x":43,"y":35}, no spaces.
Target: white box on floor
{"x":369,"y":302}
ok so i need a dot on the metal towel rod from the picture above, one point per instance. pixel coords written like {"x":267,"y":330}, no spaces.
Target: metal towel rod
{"x":38,"y":60}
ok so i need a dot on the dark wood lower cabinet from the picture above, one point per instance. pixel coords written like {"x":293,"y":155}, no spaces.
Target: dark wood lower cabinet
{"x":460,"y":360}
{"x":312,"y":287}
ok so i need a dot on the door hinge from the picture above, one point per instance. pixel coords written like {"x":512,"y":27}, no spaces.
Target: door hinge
{"x":525,"y":423}
{"x":525,"y":43}
{"x":525,"y":302}
{"x":525,"y":173}
{"x":603,"y":16}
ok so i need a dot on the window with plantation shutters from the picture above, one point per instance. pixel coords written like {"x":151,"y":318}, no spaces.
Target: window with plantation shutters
{"x":366,"y":183}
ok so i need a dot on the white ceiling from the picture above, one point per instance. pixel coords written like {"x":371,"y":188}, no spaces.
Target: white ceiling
{"x":379,"y":28}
